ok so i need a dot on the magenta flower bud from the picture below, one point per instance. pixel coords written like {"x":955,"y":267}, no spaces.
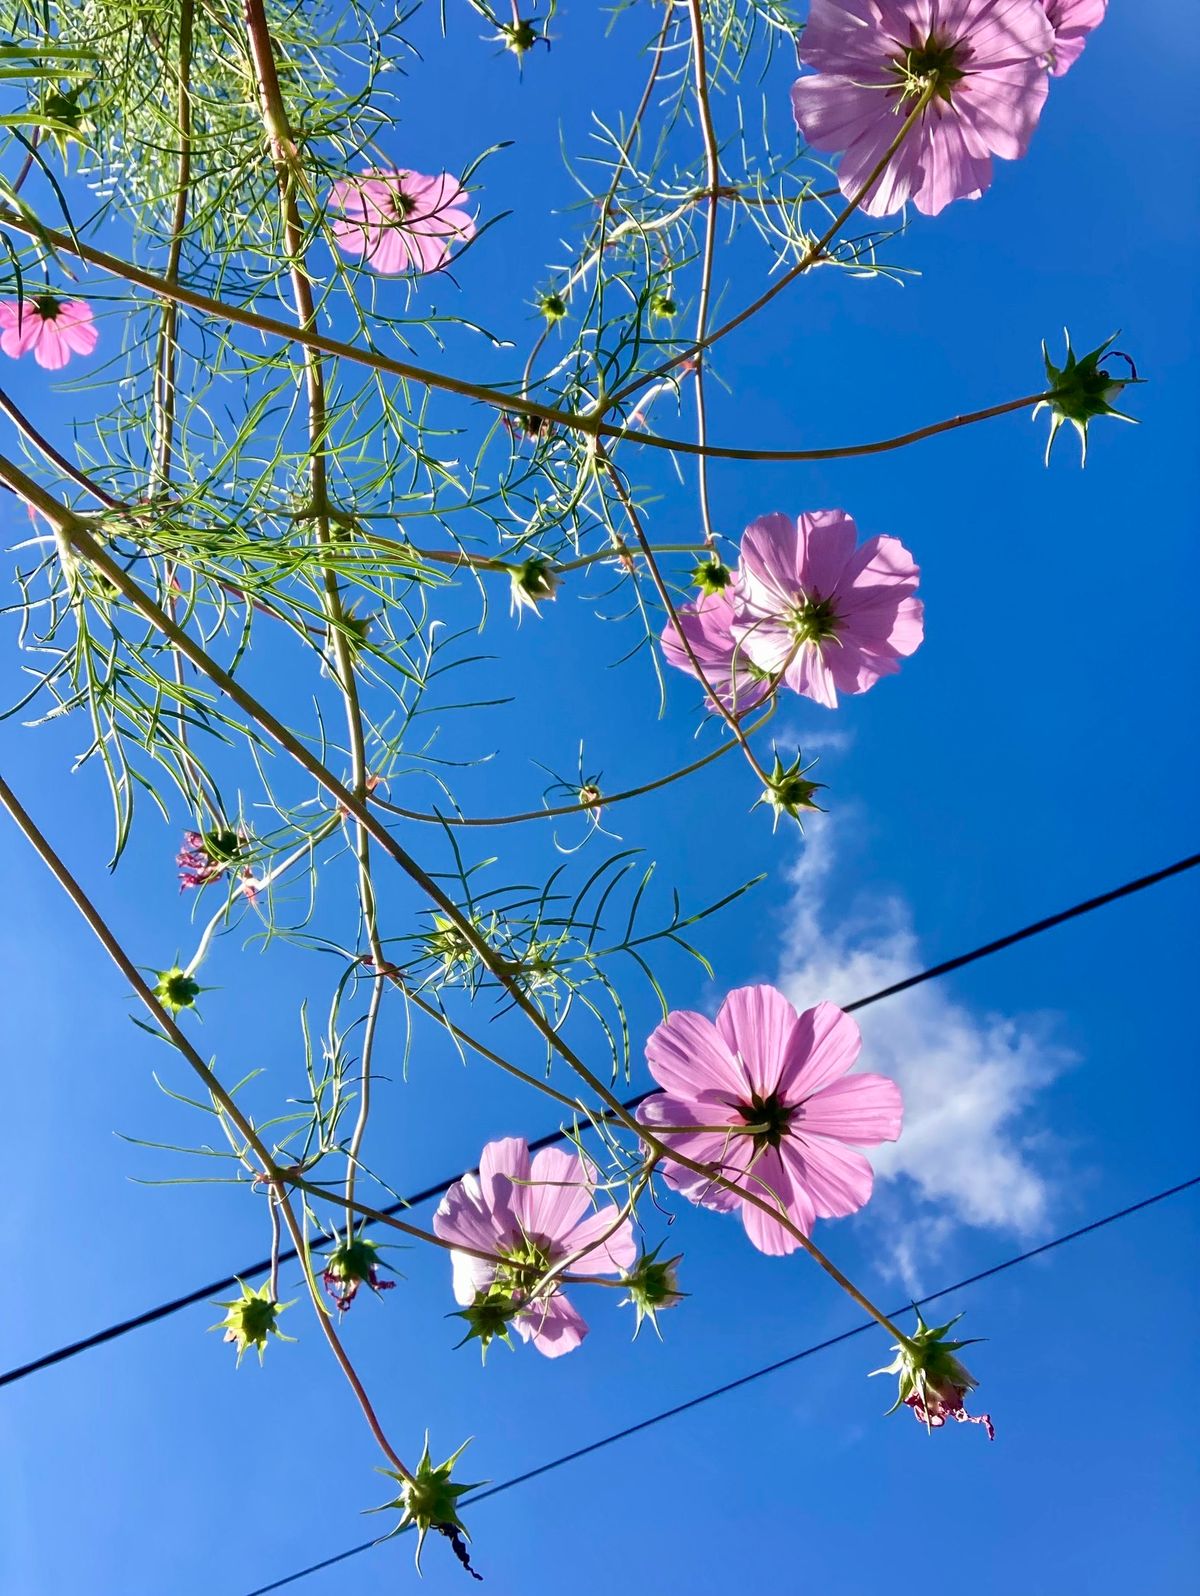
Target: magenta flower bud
{"x":933,"y":1382}
{"x":251,"y":1318}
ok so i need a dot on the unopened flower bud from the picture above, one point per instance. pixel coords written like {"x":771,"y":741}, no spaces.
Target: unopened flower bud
{"x":652,"y":1286}
{"x":1081,"y":390}
{"x":533,"y":582}
{"x":933,"y":1382}
{"x":488,"y":1318}
{"x":710,"y":576}
{"x":251,"y":1318}
{"x":428,"y":1500}
{"x":789,"y":792}
{"x":661,"y":304}
{"x":176,"y":990}
{"x":350,"y":1265}
{"x":553,"y":306}
{"x":520,"y":36}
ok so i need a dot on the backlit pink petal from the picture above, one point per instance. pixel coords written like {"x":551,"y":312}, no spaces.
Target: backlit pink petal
{"x":400,"y":221}
{"x":531,"y":1215}
{"x":872,"y":60}
{"x":796,"y":1117}
{"x":704,"y":637}
{"x":77,"y":325}
{"x":556,"y":1198}
{"x":837,"y":1179}
{"x":833,"y":617}
{"x":50,"y":328}
{"x":1072,"y":21}
{"x":757,"y":1024}
{"x":469,"y":1276}
{"x":826,"y":1046}
{"x":770,"y":1181}
{"x":687,"y":1055}
{"x":554,"y":1326}
{"x":724,"y":1156}
{"x":863,"y":1110}
{"x":606,"y":1251}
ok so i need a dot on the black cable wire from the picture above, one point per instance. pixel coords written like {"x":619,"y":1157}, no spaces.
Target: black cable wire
{"x":756,"y":1374}
{"x":261,"y":1266}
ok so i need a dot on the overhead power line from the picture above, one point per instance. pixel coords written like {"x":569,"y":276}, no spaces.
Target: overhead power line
{"x":262,"y":1266}
{"x":749,"y":1379}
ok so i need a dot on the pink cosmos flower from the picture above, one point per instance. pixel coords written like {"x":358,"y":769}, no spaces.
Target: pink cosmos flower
{"x":781,"y":1115}
{"x":832,"y":617}
{"x":986,"y":60}
{"x":54,"y":329}
{"x":401,"y":221}
{"x":534,"y":1214}
{"x":1072,"y":21}
{"x":707,"y":624}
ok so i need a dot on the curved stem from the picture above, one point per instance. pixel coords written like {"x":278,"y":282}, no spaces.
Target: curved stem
{"x":590,"y":425}
{"x":811,"y":255}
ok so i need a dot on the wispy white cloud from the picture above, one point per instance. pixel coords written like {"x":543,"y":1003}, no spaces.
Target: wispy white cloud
{"x":967,"y":1155}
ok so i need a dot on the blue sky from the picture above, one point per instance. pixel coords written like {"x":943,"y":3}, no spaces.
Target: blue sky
{"x":1036,"y":750}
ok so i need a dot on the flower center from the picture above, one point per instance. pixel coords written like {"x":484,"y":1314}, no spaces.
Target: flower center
{"x":932,"y":64}
{"x":524,"y":1266}
{"x":402,"y":204}
{"x":770,"y":1114}
{"x":813,"y":620}
{"x":47,"y":307}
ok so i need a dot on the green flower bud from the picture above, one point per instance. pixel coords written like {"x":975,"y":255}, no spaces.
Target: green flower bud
{"x":428,"y":1500}
{"x":661,"y":304}
{"x":652,"y":1286}
{"x":1081,"y":391}
{"x":251,"y":1319}
{"x":553,"y":306}
{"x":710,"y":576}
{"x":176,"y":990}
{"x":352,"y":1264}
{"x":933,"y":1382}
{"x":789,"y":792}
{"x":489,"y":1318}
{"x":520,"y":37}
{"x":533,"y":582}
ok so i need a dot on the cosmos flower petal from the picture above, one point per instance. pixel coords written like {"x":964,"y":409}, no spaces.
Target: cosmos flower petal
{"x":861,"y":1109}
{"x":869,"y":57}
{"x":825,"y":1045}
{"x":836,"y":1178}
{"x":1072,"y":21}
{"x":757,"y":1024}
{"x":688,"y":1055}
{"x":771,"y":1181}
{"x":554,"y":1325}
{"x":609,"y":1251}
{"x":557,"y":1196}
